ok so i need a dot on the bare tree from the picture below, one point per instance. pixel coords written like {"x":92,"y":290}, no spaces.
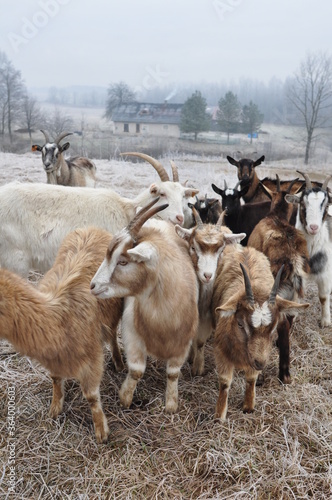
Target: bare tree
{"x":12,"y":92}
{"x":58,"y":122}
{"x":310,"y":92}
{"x":32,"y":116}
{"x":117,"y":94}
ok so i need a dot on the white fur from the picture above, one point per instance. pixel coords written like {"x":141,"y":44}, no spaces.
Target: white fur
{"x":34,"y":218}
{"x":261,"y":316}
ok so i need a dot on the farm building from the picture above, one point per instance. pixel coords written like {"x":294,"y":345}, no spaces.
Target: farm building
{"x":148,"y":119}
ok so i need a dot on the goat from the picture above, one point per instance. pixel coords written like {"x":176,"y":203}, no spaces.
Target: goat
{"x":283,"y":245}
{"x":152,"y":270}
{"x":246,"y":310}
{"x":34,"y":218}
{"x":61,"y":325}
{"x":247,"y":175}
{"x":78,"y":171}
{"x":186,"y":193}
{"x":240,"y":218}
{"x":209,"y":209}
{"x":206,"y":246}
{"x":313,"y":220}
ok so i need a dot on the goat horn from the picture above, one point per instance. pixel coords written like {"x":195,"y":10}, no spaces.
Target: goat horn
{"x":292,"y":184}
{"x":198,"y":220}
{"x":237,"y":185}
{"x":175,"y":172}
{"x":278,"y":183}
{"x":307,"y":179}
{"x":47,"y":139}
{"x":327,"y":180}
{"x":249,"y":294}
{"x":155,"y":163}
{"x":225,"y":185}
{"x":220,"y":221}
{"x":275,"y":287}
{"x":62,"y":136}
{"x":142,"y":216}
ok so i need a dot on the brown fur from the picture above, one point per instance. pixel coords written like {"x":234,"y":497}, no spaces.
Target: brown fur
{"x":160,"y":316}
{"x":61,"y":324}
{"x":283,"y":245}
{"x":239,"y":344}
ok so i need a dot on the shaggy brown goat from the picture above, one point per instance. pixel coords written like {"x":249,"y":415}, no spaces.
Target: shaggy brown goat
{"x":283,"y":245}
{"x":246,"y":311}
{"x":61,"y":324}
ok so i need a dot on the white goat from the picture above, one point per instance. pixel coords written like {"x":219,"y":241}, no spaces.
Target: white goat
{"x":78,"y":171}
{"x":206,"y":245}
{"x":187,"y":192}
{"x":153,"y":271}
{"x":61,"y":325}
{"x":314,"y":221}
{"x":34,"y":218}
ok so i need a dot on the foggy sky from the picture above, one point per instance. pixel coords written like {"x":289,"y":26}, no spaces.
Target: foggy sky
{"x":149,"y":43}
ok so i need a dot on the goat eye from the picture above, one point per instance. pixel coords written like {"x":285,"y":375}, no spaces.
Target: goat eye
{"x":240,"y":324}
{"x":122,"y":262}
{"x":162,"y":195}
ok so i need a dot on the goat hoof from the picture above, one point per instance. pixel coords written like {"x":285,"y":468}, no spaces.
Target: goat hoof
{"x":260,"y":380}
{"x":102,"y":434}
{"x":248,"y":410}
{"x":285,"y":379}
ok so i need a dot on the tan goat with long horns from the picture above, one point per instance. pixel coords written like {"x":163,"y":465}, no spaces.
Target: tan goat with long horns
{"x":153,"y":271}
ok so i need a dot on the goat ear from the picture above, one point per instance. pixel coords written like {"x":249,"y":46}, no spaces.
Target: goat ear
{"x":64,"y":147}
{"x":143,"y":252}
{"x":35,"y":147}
{"x":293,"y":198}
{"x":234,"y":238}
{"x":182,"y":232}
{"x":259,"y":161}
{"x":154,"y":189}
{"x":289,"y":306}
{"x":190,"y":192}
{"x":229,"y":308}
{"x":232,"y":161}
{"x":217,"y":190}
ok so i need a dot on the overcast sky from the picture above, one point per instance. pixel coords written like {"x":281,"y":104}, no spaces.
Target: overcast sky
{"x":159,"y":42}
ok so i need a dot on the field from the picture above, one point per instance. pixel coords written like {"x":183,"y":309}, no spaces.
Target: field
{"x":281,"y":451}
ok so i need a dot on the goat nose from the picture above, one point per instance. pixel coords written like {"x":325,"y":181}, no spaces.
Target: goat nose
{"x":92,"y":285}
{"x":313,"y":228}
{"x":179,"y":219}
{"x":207,"y":276}
{"x":258,"y":365}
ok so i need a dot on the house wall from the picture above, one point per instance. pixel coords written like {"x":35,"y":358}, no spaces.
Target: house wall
{"x":148,"y":129}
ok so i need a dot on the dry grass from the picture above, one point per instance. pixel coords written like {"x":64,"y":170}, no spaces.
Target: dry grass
{"x":281,"y":451}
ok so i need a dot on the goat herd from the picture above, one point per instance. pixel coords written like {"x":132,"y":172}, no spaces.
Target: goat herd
{"x":168,"y":264}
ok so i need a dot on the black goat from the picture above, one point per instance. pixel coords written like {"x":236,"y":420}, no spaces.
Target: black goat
{"x":240,"y":218}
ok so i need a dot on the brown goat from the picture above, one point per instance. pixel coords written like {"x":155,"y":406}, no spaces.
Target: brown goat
{"x":152,"y":269}
{"x":61,"y":324}
{"x":206,"y":245}
{"x":246,"y":311}
{"x":283,"y":245}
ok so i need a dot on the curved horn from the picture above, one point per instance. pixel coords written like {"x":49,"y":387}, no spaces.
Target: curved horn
{"x":307,"y":179}
{"x":198,"y":220}
{"x":220,"y":221}
{"x":275,"y":287}
{"x":247,"y":284}
{"x":142,"y":216}
{"x":225,"y":185}
{"x":47,"y":139}
{"x":327,"y":180}
{"x":62,"y":136}
{"x":278,"y":183}
{"x":289,"y":189}
{"x":155,"y":163}
{"x":175,"y":172}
